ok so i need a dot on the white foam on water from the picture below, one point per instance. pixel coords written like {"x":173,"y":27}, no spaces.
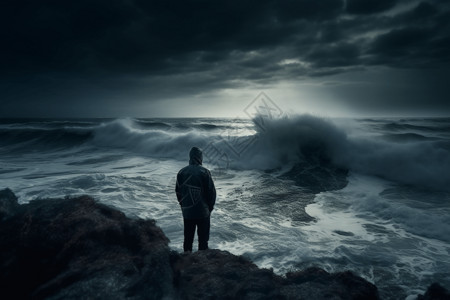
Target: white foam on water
{"x":353,"y":226}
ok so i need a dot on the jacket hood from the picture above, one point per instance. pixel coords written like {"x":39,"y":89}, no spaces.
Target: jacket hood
{"x":195,"y":156}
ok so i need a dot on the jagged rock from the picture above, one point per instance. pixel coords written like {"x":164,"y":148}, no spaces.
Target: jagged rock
{"x":72,"y":248}
{"x":315,"y":283}
{"x":435,"y":292}
{"x":215,"y":273}
{"x":219,"y":274}
{"x":8,"y":204}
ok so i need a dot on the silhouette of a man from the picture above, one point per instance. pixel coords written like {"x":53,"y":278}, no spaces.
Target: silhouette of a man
{"x":196,"y":195}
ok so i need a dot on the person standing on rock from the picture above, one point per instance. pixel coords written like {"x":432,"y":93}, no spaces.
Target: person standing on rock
{"x":196,"y":195}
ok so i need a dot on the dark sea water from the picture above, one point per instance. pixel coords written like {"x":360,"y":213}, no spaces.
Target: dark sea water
{"x":367,"y":195}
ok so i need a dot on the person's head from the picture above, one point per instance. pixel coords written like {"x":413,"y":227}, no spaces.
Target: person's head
{"x":195,"y":156}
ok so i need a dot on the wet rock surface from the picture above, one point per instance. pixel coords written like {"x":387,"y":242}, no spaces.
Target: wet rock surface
{"x":77,"y":248}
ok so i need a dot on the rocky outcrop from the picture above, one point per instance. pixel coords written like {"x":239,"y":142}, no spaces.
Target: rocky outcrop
{"x":218,"y":274}
{"x":77,"y":248}
{"x":8,"y":204}
{"x":435,"y":292}
{"x":72,"y":248}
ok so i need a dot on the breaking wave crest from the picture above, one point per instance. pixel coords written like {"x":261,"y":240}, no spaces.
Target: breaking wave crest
{"x":301,"y":141}
{"x":298,"y":139}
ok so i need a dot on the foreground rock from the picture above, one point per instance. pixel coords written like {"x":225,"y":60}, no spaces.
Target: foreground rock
{"x":72,"y":248}
{"x":77,"y":248}
{"x":219,"y":274}
{"x":435,"y":292}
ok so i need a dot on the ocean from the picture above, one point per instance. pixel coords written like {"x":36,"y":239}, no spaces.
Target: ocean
{"x":367,"y":195}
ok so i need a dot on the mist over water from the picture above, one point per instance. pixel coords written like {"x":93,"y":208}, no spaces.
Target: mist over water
{"x":367,"y":195}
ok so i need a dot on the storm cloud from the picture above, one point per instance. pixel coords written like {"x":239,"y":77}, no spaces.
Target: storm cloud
{"x":65,"y":50}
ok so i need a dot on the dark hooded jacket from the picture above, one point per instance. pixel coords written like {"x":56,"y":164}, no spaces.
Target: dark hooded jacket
{"x":195,"y":188}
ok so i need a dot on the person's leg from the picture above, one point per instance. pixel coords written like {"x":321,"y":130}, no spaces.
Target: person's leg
{"x":203,"y":226}
{"x":189,"y":231}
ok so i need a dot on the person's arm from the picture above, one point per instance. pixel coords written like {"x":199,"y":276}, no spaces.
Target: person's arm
{"x":178,"y":189}
{"x":211,"y":193}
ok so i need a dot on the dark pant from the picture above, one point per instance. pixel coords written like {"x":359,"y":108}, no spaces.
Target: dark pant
{"x":202,"y":233}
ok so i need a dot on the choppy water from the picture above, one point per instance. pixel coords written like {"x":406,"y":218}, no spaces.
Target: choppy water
{"x":367,"y":195}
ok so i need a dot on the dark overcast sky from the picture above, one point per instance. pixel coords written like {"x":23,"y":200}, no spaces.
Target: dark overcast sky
{"x":143,"y":58}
